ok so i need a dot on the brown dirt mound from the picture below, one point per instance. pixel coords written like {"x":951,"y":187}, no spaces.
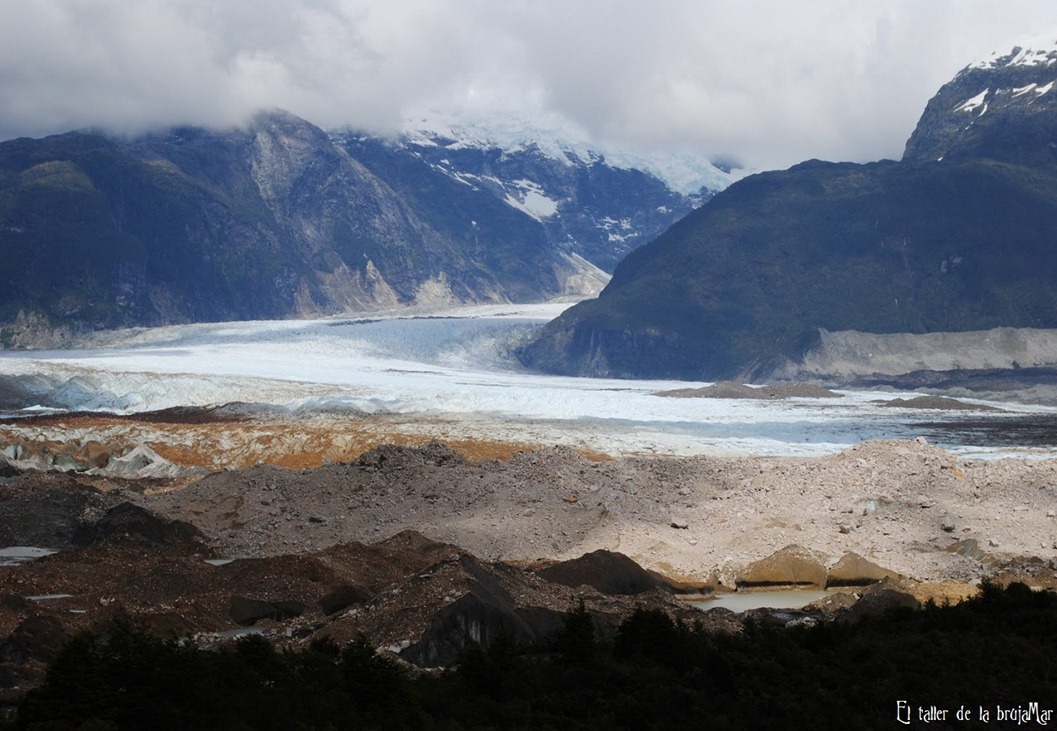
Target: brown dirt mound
{"x":733,"y":390}
{"x":605,"y":571}
{"x":934,"y":402}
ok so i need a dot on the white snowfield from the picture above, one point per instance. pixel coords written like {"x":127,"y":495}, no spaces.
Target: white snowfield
{"x":451,"y":369}
{"x":1036,"y":50}
{"x":563,"y":141}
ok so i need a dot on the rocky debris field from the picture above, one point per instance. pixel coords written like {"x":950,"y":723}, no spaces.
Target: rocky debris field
{"x":188,"y":443}
{"x":418,"y":599}
{"x":422,"y":547}
{"x":699,"y":520}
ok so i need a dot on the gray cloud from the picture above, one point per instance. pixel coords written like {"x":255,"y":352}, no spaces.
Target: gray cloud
{"x":763,"y":81}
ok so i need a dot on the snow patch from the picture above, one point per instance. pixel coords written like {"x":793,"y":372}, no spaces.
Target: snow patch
{"x":1040,"y":50}
{"x":529,"y":198}
{"x":533,"y":204}
{"x":464,"y":178}
{"x":971,"y":105}
{"x":617,"y":230}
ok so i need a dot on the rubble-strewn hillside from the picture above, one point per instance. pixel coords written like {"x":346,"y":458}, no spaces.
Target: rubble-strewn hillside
{"x":420,"y":548}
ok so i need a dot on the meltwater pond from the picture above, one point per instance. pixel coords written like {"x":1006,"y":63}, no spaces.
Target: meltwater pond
{"x":450,"y":374}
{"x":15,"y":555}
{"x":744,"y":601}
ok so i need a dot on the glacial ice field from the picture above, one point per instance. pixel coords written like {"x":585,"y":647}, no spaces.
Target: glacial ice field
{"x":451,"y":373}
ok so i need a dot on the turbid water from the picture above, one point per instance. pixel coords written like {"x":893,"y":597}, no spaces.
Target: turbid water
{"x":743,"y":601}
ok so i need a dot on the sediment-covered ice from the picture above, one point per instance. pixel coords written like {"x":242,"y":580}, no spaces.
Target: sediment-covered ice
{"x":451,"y":366}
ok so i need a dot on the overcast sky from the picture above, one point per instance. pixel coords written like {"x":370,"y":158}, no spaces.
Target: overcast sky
{"x":768,"y":83}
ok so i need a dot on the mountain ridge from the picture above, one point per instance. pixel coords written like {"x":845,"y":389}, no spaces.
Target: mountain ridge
{"x":585,"y":204}
{"x":686,"y":173}
{"x":957,"y":236}
{"x":281,"y":218}
{"x":1001,"y":108}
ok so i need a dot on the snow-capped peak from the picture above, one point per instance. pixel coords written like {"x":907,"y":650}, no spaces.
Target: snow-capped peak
{"x":1039,"y":50}
{"x":554,"y":136}
{"x":558,"y":138}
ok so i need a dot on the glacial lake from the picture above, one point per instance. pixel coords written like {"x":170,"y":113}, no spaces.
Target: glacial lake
{"x":744,"y":601}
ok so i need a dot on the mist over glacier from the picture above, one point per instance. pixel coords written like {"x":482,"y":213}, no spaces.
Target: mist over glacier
{"x":451,"y":372}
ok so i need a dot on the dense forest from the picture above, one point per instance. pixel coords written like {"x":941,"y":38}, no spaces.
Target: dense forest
{"x":996,"y":654}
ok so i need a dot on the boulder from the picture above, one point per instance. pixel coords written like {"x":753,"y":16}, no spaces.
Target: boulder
{"x":35,"y":638}
{"x":51,"y":514}
{"x":485,"y":610}
{"x":8,"y":470}
{"x":479,"y":616}
{"x":833,"y":603}
{"x":968,"y":548}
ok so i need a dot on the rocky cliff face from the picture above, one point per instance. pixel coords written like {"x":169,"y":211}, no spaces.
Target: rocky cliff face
{"x":1001,"y":108}
{"x":956,"y":237}
{"x":581,"y":203}
{"x":281,"y":219}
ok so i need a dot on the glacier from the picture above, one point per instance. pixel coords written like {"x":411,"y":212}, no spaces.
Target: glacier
{"x":451,"y":372}
{"x":560,"y":139}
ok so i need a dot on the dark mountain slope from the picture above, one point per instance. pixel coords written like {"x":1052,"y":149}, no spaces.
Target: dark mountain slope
{"x":268,"y":222}
{"x":489,"y":231}
{"x":1004,"y":109}
{"x":583,"y":204}
{"x":281,"y":219}
{"x":746,"y":282}
{"x":94,"y":234}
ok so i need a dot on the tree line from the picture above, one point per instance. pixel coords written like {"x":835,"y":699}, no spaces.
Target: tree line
{"x":999,"y":649}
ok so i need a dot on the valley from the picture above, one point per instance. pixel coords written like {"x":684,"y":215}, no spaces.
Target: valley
{"x":447,"y":374}
{"x":399,"y":448}
{"x":405,"y":393}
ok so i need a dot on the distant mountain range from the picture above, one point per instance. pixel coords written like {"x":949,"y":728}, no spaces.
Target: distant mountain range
{"x":594,"y":204}
{"x":960,"y":235}
{"x":282,"y":219}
